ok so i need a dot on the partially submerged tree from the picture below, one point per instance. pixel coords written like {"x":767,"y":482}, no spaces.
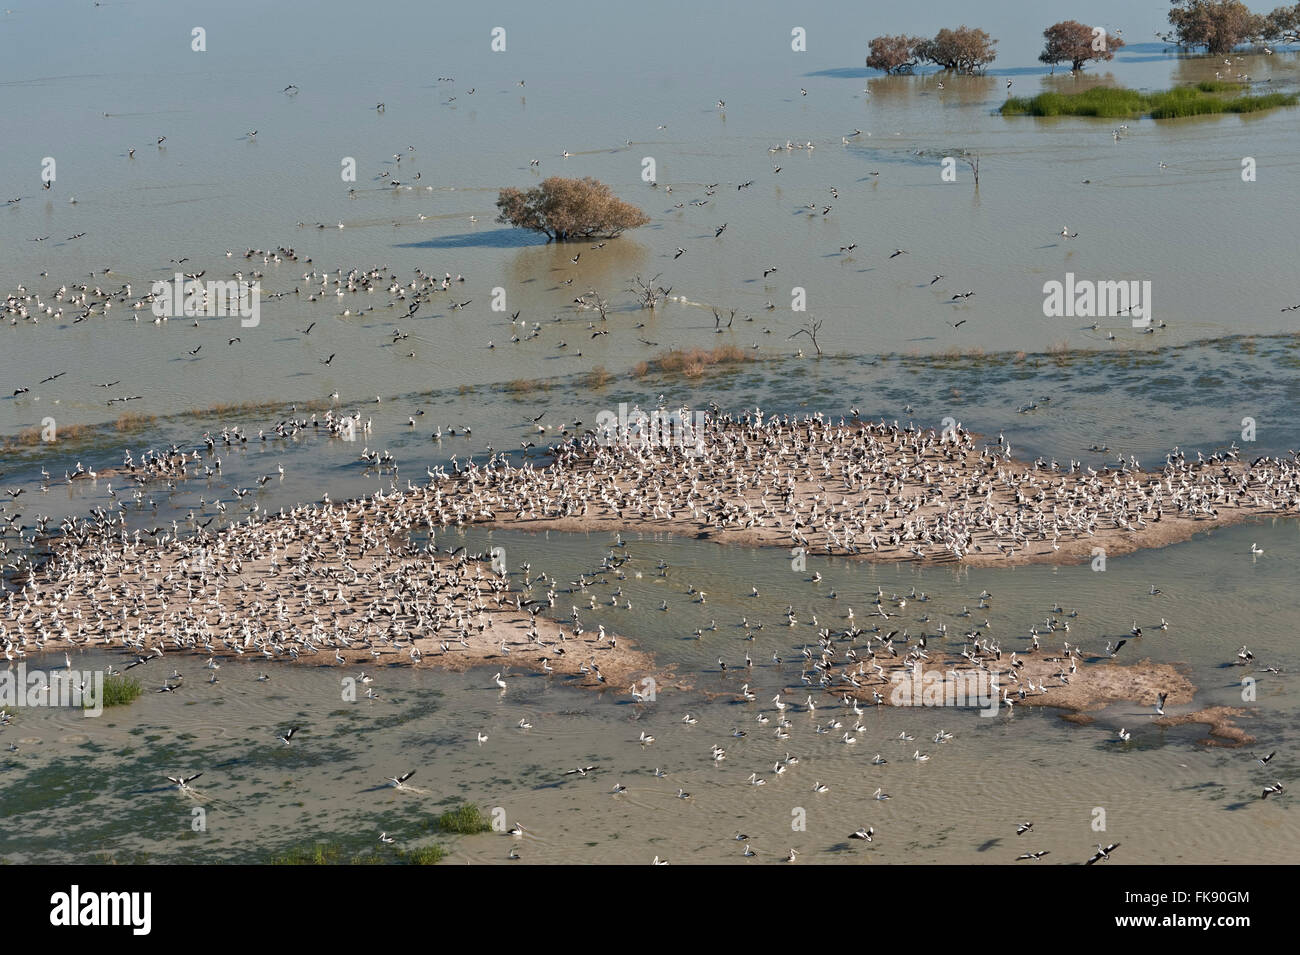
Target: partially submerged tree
{"x":811,"y":330}
{"x":964,"y":50}
{"x":569,"y":209}
{"x":648,"y":293}
{"x":1217,"y":25}
{"x":894,"y":54}
{"x":1283,"y":24}
{"x":1076,"y":43}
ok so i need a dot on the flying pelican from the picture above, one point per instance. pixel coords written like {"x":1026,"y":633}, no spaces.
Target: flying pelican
{"x":398,"y":781}
{"x":1102,"y":853}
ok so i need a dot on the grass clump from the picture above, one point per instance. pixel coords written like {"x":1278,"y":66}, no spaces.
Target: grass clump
{"x":120,"y":690}
{"x":319,"y":854}
{"x":424,"y":855}
{"x":466,"y":819}
{"x":1109,"y":102}
{"x":692,"y":362}
{"x":331,"y":853}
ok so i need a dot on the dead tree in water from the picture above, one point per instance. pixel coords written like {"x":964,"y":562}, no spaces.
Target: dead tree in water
{"x":649,"y":293}
{"x":811,"y":330}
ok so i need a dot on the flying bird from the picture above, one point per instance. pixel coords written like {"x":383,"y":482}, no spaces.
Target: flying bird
{"x":1102,"y":853}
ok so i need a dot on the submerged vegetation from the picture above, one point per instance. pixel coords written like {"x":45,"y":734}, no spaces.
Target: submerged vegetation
{"x":466,"y":820}
{"x":331,"y":853}
{"x":690,"y":362}
{"x":120,"y":690}
{"x":1111,"y":102}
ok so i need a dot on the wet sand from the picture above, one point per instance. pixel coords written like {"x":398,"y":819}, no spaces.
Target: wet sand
{"x":978,"y":505}
{"x":343,"y":583}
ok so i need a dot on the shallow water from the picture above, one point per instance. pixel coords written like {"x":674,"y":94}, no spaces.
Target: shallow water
{"x":1214,"y":248}
{"x":1218,"y":254}
{"x":103,"y":777}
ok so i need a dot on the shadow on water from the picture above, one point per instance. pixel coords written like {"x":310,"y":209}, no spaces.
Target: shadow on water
{"x":494,"y":239}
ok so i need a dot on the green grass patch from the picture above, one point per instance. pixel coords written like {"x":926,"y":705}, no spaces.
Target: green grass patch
{"x":120,"y":690}
{"x":319,"y":854}
{"x":466,"y":819}
{"x":425,"y":855}
{"x":1109,"y":102}
{"x":331,"y":853}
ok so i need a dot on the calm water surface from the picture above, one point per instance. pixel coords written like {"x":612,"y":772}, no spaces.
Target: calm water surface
{"x":84,"y":84}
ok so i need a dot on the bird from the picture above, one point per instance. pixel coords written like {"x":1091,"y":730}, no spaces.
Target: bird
{"x":863,"y":833}
{"x":1275,"y":789}
{"x":288,"y":735}
{"x":398,"y":781}
{"x":1160,"y":703}
{"x":1023,"y":828}
{"x":1264,"y":760}
{"x":183,"y":782}
{"x":385,"y":838}
{"x":1102,"y":853}
{"x":1034,"y":855}
{"x":721,"y":229}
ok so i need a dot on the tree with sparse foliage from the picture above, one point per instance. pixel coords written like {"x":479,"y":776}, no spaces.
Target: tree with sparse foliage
{"x":1283,"y":24}
{"x":963,"y":50}
{"x":1076,"y":43}
{"x":569,"y":209}
{"x":894,"y":54}
{"x":1217,"y":25}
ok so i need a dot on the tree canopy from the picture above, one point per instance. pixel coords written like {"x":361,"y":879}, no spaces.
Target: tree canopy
{"x":1220,"y":25}
{"x":1075,"y":43}
{"x":894,"y":54}
{"x":964,"y":50}
{"x":569,"y":209}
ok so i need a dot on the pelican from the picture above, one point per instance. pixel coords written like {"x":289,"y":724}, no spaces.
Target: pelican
{"x":1102,"y":853}
{"x":863,"y":833}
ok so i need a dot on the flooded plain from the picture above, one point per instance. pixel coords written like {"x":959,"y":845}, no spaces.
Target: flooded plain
{"x":1164,"y":202}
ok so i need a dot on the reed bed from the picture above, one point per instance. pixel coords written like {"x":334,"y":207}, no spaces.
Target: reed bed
{"x":1109,"y":102}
